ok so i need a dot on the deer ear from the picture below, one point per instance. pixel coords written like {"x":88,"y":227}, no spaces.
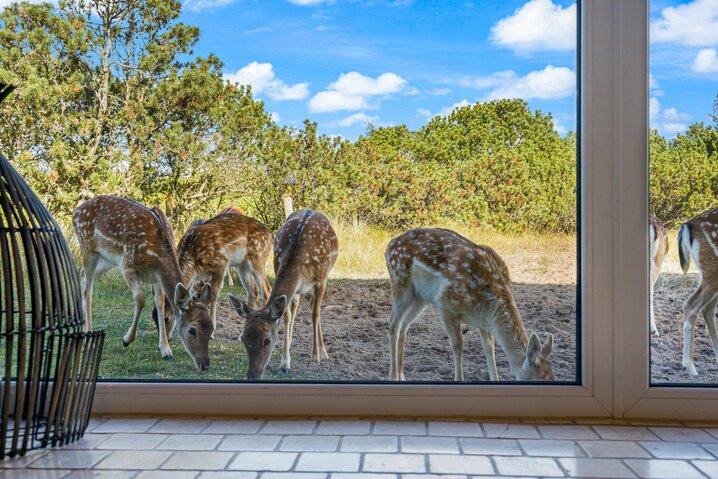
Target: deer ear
{"x":547,"y":346}
{"x":206,"y":296}
{"x":182,"y":297}
{"x":240,"y":306}
{"x":533,"y":350}
{"x":278,"y":307}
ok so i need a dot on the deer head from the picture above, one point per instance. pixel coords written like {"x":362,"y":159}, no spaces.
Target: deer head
{"x":194,"y":324}
{"x":536,"y":366}
{"x":260,"y":332}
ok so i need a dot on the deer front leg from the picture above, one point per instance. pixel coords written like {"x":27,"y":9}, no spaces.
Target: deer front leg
{"x":289,"y":316}
{"x":216,"y":284}
{"x":318,"y":348}
{"x":456,"y":339}
{"x":489,"y":345}
{"x":138,"y":295}
{"x":691,"y":308}
{"x":654,"y":328}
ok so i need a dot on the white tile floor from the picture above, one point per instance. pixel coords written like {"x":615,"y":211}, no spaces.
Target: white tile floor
{"x":275,"y":449}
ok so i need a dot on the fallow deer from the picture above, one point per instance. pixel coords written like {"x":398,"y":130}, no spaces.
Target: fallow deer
{"x":658,"y":251}
{"x":698,"y":239}
{"x":466,"y":283}
{"x":305,"y":250}
{"x":209,"y":249}
{"x":115,"y":231}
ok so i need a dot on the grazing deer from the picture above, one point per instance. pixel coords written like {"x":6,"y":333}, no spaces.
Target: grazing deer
{"x":209,"y":249}
{"x":466,"y":283}
{"x":116,"y":231}
{"x":658,"y":250}
{"x":305,"y":250}
{"x":698,"y":239}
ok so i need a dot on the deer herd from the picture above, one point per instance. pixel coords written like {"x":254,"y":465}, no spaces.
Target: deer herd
{"x":467,"y":284}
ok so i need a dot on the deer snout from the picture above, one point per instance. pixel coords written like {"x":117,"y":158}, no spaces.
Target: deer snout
{"x":254,"y":376}
{"x":203,"y":363}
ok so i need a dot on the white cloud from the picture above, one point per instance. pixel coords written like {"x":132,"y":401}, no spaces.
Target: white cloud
{"x":548,"y":84}
{"x":263,"y":80}
{"x":537,"y":25}
{"x":706,"y":61}
{"x":693,"y":24}
{"x":360,"y":117}
{"x":275,"y":117}
{"x":200,"y":5}
{"x":353,"y":91}
{"x":308,"y":3}
{"x":426,"y":113}
{"x":668,"y":121}
{"x":441,"y":91}
{"x":459,"y":104}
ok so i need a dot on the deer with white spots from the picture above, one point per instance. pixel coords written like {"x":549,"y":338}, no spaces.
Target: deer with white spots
{"x":466,"y":283}
{"x":658,"y":244}
{"x":210,"y":248}
{"x":117,"y":232}
{"x":305,"y":250}
{"x":698,"y":239}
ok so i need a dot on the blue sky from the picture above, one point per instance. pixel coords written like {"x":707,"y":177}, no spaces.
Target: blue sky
{"x":343,"y":63}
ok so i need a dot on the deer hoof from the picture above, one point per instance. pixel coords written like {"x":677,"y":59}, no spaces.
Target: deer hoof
{"x":169,"y":357}
{"x":690,"y":370}
{"x":285,"y":370}
{"x":125,"y":343}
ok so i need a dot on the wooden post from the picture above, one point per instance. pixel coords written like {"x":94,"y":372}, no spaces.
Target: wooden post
{"x":288,"y":208}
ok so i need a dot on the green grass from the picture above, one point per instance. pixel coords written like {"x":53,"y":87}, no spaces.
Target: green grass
{"x":361,"y":257}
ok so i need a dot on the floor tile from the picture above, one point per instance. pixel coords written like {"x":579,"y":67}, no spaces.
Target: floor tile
{"x":190,"y":442}
{"x":528,"y":466}
{"x":294,"y":475}
{"x":590,"y":467}
{"x":421,"y":444}
{"x":58,"y":459}
{"x":198,"y":460}
{"x":551,"y":447}
{"x":443,"y":464}
{"x":125,"y":425}
{"x":676,"y":450}
{"x":167,"y":475}
{"x":615,"y":449}
{"x":370,"y":444}
{"x":711,"y":447}
{"x":97,"y":474}
{"x":663,"y":469}
{"x":35,"y":474}
{"x":133,"y":441}
{"x":455,"y":429}
{"x":249,"y":443}
{"x":510,"y":431}
{"x":328,"y":461}
{"x":709,"y":468}
{"x":88,"y":441}
{"x":635,"y":433}
{"x":682,"y":434}
{"x":713,"y":431}
{"x":288,"y":427}
{"x":179,"y":426}
{"x":20,"y":462}
{"x":362,"y":475}
{"x":400,"y":428}
{"x":567,"y":432}
{"x":394,"y":463}
{"x":492,"y":447}
{"x":233,"y":427}
{"x":228,"y":475}
{"x":263,"y":461}
{"x":434,"y":476}
{"x":344,"y":428}
{"x":309,"y":443}
{"x":134,"y":460}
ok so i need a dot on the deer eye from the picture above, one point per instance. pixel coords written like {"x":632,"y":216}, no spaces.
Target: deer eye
{"x":267,"y":341}
{"x":192,"y":332}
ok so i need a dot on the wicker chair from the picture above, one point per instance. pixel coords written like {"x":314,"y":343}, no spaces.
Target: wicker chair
{"x":49,"y":365}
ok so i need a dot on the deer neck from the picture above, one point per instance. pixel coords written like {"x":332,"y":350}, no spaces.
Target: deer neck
{"x":287,"y":283}
{"x":511,"y":336}
{"x":169,"y":276}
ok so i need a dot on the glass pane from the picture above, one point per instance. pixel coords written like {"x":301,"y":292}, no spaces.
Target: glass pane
{"x":683,"y":190}
{"x":382,"y":116}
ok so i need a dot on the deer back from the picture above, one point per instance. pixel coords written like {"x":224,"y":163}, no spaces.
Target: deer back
{"x":123,"y":230}
{"x":659,"y":240}
{"x":305,"y":250}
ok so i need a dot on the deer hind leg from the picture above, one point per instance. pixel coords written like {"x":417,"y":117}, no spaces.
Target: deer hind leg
{"x":654,"y":328}
{"x":216,"y":284}
{"x":406,"y":308}
{"x":489,"y":345}
{"x":260,"y":279}
{"x":88,"y":277}
{"x":249,"y":285}
{"x":693,"y":305}
{"x":289,"y":316}
{"x":138,"y":295}
{"x":318,"y":348}
{"x":456,"y":339}
{"x":709,"y":313}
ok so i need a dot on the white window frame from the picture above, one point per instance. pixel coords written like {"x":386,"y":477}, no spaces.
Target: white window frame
{"x":614,"y":280}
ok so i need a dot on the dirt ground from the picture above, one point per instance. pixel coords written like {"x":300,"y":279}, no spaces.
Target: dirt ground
{"x":355,"y":316}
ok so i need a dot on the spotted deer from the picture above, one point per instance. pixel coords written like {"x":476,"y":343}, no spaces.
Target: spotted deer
{"x":117,"y":232}
{"x":466,"y":283}
{"x":698,"y":239}
{"x":305,"y":250}
{"x":207,"y":250}
{"x":658,"y":250}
